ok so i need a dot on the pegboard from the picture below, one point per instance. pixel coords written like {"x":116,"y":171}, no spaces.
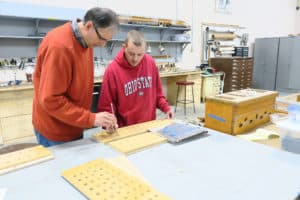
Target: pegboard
{"x":122,"y":162}
{"x":100,"y":180}
{"x":138,"y":142}
{"x":130,"y":130}
{"x":23,"y":158}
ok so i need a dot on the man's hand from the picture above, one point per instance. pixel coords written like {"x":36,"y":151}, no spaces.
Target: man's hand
{"x":106,"y":120}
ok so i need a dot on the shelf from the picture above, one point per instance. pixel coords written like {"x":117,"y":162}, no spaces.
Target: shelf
{"x":20,"y":37}
{"x":22,"y":26}
{"x":155,"y":27}
{"x":156,"y":41}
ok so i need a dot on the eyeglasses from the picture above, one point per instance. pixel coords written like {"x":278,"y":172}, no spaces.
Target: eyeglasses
{"x":98,"y":34}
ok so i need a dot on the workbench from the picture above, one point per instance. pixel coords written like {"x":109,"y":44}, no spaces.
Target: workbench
{"x":213,"y":167}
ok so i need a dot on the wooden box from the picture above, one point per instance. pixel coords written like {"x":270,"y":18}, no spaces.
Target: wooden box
{"x":239,"y":111}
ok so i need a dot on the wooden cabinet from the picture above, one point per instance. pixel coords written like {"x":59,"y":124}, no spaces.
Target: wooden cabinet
{"x":238,"y":72}
{"x":15,"y":115}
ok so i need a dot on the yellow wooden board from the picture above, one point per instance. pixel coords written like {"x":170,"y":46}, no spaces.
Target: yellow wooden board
{"x":126,"y":166}
{"x":138,"y":142}
{"x":130,"y":130}
{"x":99,"y":180}
{"x":23,"y":158}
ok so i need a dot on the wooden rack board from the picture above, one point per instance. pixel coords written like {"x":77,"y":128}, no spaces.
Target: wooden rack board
{"x":130,"y":130}
{"x":23,"y":158}
{"x":138,"y":142}
{"x":122,"y":162}
{"x":99,"y":180}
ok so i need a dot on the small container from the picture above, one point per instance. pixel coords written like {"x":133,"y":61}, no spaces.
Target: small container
{"x":290,"y":135}
{"x":292,"y":111}
{"x":297,"y":113}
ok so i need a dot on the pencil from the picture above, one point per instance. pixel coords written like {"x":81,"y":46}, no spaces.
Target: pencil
{"x":112,"y":108}
{"x":113,"y":112}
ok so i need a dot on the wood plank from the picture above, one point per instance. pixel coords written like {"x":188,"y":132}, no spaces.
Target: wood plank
{"x":23,"y":158}
{"x":130,"y":130}
{"x":137,"y":143}
{"x":122,"y":162}
{"x":99,"y":180}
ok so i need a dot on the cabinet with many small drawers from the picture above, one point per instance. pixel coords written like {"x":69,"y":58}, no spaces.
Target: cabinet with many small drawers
{"x":238,"y":72}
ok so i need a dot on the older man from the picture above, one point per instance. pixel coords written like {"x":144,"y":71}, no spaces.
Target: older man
{"x":64,"y":76}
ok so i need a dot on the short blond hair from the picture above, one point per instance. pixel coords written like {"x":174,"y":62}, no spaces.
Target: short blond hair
{"x":136,"y":37}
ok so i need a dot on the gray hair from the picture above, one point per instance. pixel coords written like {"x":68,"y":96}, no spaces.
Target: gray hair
{"x":102,"y":17}
{"x":136,"y":37}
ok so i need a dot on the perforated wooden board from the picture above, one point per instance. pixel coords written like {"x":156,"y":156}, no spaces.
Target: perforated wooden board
{"x":130,"y":130}
{"x":23,"y":158}
{"x":138,"y":142}
{"x":126,"y":166}
{"x":100,"y":180}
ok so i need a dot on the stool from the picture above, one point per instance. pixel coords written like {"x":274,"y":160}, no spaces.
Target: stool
{"x":185,"y":100}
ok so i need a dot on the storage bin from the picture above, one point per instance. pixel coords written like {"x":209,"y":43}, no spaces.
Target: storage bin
{"x":290,"y":135}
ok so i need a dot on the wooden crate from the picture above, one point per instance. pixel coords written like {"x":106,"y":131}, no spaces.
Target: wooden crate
{"x":239,"y":111}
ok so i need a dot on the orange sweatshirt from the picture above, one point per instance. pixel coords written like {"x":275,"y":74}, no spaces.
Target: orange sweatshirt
{"x":63,"y":86}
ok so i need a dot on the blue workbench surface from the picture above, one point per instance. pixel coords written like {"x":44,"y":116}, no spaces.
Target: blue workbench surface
{"x":211,"y":167}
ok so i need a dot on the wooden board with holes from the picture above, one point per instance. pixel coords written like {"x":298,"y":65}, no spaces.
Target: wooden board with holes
{"x":23,"y":158}
{"x":99,"y":180}
{"x":137,"y":142}
{"x":122,"y":162}
{"x":130,"y":130}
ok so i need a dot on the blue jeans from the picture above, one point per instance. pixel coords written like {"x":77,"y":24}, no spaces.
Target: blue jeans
{"x":44,"y":141}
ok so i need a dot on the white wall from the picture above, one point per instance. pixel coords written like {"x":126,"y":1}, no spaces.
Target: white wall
{"x":297,"y":23}
{"x":262,"y":18}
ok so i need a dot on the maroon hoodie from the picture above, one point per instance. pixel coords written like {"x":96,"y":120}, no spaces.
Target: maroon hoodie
{"x":135,"y":92}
